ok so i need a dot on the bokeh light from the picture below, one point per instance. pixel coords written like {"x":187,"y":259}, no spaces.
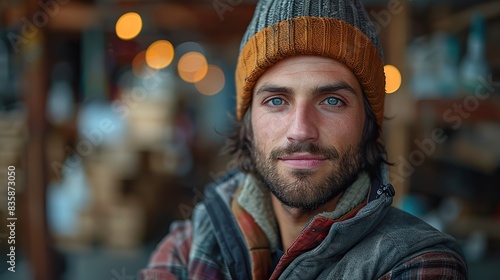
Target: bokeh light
{"x":392,"y":78}
{"x":128,"y":26}
{"x":192,"y":67}
{"x":159,"y":54}
{"x":213,"y":82}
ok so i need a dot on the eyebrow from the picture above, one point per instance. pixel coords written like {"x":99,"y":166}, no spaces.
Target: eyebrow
{"x":271,"y":88}
{"x":335,"y":87}
{"x":317,"y":90}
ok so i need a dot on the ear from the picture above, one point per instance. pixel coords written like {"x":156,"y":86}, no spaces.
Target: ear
{"x":246,"y":123}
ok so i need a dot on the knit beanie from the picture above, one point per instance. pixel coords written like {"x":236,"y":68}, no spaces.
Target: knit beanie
{"x":339,"y":29}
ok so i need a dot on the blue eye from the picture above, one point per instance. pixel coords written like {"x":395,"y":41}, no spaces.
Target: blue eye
{"x":332,"y":101}
{"x":276,"y":101}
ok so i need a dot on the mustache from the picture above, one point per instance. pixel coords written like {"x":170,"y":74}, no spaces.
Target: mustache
{"x":314,"y":149}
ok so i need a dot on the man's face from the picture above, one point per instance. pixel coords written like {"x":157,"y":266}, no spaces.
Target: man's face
{"x":307,"y":117}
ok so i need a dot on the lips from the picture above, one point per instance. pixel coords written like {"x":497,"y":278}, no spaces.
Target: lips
{"x":303,"y":161}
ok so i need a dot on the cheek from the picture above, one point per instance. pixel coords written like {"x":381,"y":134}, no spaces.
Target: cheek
{"x":344,"y":132}
{"x":359,"y":124}
{"x":267,"y":130}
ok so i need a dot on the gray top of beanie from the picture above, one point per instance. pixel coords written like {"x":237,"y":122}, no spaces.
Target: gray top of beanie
{"x":269,"y":12}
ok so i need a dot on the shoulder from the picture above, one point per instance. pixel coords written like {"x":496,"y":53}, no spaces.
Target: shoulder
{"x":197,"y":231}
{"x":191,"y":246}
{"x":423,"y":250}
{"x":436,"y":265}
{"x":174,"y":248}
{"x":171,"y":256}
{"x":408,"y":231}
{"x":217,"y":199}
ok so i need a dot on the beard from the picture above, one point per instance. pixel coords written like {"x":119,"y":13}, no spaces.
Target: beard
{"x":298,"y":188}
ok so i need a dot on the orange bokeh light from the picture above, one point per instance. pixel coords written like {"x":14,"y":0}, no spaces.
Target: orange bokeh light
{"x":213,"y":82}
{"x":392,"y":79}
{"x":159,"y":54}
{"x":192,"y":67}
{"x":128,"y":26}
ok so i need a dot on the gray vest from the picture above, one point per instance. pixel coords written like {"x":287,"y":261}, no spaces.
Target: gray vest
{"x":378,"y":239}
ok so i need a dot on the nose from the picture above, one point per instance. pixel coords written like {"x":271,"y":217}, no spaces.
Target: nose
{"x":302,"y":125}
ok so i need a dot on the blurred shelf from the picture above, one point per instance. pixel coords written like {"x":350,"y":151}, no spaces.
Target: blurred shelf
{"x":467,"y":226}
{"x":211,"y":22}
{"x":442,"y":178}
{"x":484,"y":110}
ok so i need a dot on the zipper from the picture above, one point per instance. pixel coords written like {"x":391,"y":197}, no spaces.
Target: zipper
{"x":388,"y":189}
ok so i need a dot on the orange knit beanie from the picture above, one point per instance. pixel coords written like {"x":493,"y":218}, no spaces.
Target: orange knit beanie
{"x":339,"y":29}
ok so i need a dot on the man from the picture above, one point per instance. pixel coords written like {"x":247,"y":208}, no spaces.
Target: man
{"x":311,"y":199}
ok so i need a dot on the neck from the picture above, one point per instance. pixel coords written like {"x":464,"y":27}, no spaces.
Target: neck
{"x":291,"y":221}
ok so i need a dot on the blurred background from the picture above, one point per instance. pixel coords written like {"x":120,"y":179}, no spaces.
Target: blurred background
{"x":113,"y":114}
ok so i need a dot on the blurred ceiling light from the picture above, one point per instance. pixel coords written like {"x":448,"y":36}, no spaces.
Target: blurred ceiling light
{"x":213,"y":82}
{"x":192,"y":67}
{"x":128,"y":26}
{"x":141,"y":68}
{"x":392,"y":78}
{"x":159,"y":54}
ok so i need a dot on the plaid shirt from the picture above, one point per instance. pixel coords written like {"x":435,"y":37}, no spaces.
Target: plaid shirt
{"x":171,"y":258}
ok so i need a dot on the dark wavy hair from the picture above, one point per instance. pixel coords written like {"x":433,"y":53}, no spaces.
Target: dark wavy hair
{"x":239,"y":143}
